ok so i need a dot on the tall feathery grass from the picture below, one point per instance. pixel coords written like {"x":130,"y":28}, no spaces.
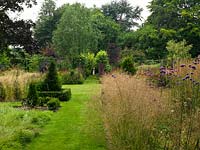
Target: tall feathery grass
{"x":16,"y":82}
{"x":131,"y":110}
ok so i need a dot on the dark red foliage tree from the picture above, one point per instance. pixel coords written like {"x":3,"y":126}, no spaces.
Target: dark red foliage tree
{"x":15,"y":32}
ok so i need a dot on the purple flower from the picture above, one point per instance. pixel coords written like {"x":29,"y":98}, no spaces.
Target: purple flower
{"x":194,"y":67}
{"x":192,"y":73}
{"x":162,"y":72}
{"x":187,"y":77}
{"x":113,"y":76}
{"x":161,"y":68}
{"x":182,"y":65}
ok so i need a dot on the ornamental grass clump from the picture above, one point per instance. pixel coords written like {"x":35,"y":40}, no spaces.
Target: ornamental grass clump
{"x":185,"y":100}
{"x":131,"y":110}
{"x":182,"y":125}
{"x":16,"y":83}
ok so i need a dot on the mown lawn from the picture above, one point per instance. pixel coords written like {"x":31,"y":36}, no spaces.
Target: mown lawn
{"x":68,"y":129}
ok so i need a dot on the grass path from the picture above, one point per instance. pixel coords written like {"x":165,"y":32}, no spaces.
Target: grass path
{"x":66,"y":130}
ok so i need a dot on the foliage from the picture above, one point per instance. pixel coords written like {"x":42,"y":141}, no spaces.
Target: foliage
{"x":72,"y":77}
{"x":177,"y":51}
{"x":32,"y":98}
{"x":79,"y":35}
{"x":123,"y":13}
{"x":2,"y":93}
{"x":138,"y":56}
{"x":102,"y":61}
{"x":128,"y":66}
{"x":178,"y":19}
{"x":16,"y":32}
{"x":53,"y":104}
{"x":52,"y":81}
{"x":64,"y":95}
{"x":46,"y":23}
{"x":4,"y":61}
{"x":20,"y":127}
{"x":107,"y":29}
{"x":87,"y":63}
{"x":38,"y":62}
{"x":102,"y":57}
{"x":42,"y":101}
{"x":147,"y":39}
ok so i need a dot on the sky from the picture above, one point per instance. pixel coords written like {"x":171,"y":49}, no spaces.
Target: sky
{"x":32,"y":13}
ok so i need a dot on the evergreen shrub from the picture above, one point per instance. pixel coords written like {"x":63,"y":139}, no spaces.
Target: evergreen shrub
{"x":127,"y":65}
{"x":53,"y":104}
{"x":32,"y":98}
{"x":2,"y":93}
{"x":52,"y":81}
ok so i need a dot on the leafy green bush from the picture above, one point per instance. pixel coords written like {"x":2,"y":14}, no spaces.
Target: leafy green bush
{"x":72,"y":77}
{"x":128,"y":65}
{"x":2,"y":92}
{"x":64,"y":95}
{"x":4,"y":61}
{"x":177,"y":51}
{"x":32,"y":98}
{"x":52,"y":81}
{"x":43,"y":100}
{"x":53,"y":104}
{"x":102,"y":62}
{"x":25,"y":136}
{"x":87,"y":62}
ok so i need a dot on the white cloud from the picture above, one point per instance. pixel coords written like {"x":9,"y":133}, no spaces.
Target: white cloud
{"x":32,"y":13}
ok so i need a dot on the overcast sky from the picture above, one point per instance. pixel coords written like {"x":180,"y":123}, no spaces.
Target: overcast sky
{"x":32,"y":13}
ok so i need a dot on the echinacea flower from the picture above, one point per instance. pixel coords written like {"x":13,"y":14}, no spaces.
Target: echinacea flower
{"x":182,"y":65}
{"x":194,"y":67}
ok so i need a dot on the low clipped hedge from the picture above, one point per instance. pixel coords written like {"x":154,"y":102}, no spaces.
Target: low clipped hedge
{"x":53,"y":104}
{"x":64,"y":95}
{"x":72,"y":77}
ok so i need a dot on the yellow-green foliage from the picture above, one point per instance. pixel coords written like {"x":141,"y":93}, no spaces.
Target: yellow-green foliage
{"x":10,"y":78}
{"x":18,"y":127}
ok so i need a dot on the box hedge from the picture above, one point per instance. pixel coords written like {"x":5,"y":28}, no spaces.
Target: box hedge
{"x":53,"y":104}
{"x":64,"y":95}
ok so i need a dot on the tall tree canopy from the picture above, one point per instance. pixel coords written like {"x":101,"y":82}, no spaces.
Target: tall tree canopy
{"x":75,"y":34}
{"x":15,"y":32}
{"x":178,"y":20}
{"x":108,"y":29}
{"x":123,"y":13}
{"x":46,"y":23}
